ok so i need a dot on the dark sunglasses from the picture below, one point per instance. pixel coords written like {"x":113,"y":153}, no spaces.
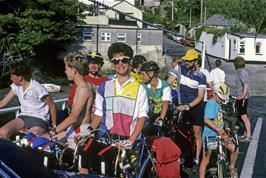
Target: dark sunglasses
{"x":124,"y":60}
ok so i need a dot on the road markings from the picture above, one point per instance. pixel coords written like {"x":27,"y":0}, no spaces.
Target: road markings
{"x":247,"y":170}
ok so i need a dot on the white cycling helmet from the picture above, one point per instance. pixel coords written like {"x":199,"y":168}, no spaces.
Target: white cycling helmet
{"x":222,"y":91}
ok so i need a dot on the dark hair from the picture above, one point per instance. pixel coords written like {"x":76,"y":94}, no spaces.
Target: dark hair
{"x":177,"y":60}
{"x":239,"y":62}
{"x":119,"y":47}
{"x":199,"y":60}
{"x":218,"y":63}
{"x":138,"y":59}
{"x":21,"y":68}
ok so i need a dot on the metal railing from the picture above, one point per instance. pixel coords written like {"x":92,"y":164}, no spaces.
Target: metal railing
{"x":17,"y":108}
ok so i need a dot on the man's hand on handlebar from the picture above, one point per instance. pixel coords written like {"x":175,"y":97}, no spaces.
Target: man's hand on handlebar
{"x":182,"y":108}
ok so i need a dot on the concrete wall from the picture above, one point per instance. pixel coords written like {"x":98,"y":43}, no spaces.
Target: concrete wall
{"x":151,"y":45}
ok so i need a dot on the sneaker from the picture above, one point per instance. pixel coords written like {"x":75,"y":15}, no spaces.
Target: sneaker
{"x":242,"y":136}
{"x":245,"y":139}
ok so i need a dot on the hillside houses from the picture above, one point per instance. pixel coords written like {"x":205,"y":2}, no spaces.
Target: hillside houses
{"x":99,"y":32}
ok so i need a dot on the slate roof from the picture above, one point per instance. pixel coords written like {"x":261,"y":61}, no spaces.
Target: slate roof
{"x":218,"y":20}
{"x":249,"y":35}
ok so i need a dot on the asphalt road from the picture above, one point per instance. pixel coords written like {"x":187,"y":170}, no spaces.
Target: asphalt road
{"x":252,"y":158}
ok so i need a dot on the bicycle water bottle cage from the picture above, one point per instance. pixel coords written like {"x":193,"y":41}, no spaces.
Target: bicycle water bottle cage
{"x":211,"y":143}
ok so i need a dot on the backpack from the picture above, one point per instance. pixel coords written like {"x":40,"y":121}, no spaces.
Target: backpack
{"x":167,"y":158}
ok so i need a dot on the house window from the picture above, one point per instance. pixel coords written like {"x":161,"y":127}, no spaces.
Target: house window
{"x":121,"y":37}
{"x":258,"y":48}
{"x":234,"y":44}
{"x":87,"y":36}
{"x":106,"y":36}
{"x":139,"y":37}
{"x":128,"y":18}
{"x":242,"y":47}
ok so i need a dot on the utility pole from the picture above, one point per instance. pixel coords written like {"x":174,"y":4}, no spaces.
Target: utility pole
{"x":173,"y":10}
{"x":201,"y":11}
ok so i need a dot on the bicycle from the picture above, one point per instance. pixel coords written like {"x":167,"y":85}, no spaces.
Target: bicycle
{"x":128,"y":162}
{"x":222,"y":163}
{"x":181,"y":132}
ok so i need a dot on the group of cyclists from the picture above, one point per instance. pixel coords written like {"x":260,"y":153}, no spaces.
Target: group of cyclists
{"x":122,"y":105}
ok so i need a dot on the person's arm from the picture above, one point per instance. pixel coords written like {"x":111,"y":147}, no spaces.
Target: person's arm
{"x":219,"y":130}
{"x":198,"y":99}
{"x":137,"y":130}
{"x":7,"y":99}
{"x":211,"y":124}
{"x":193,"y":103}
{"x":95,"y":121}
{"x":52,"y":106}
{"x":164,"y":110}
{"x":71,"y":95}
{"x":142,"y":114}
{"x":81,"y":99}
{"x":167,"y":98}
{"x":245,"y":91}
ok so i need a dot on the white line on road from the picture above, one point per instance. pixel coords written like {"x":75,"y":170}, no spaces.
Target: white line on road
{"x":247,"y":170}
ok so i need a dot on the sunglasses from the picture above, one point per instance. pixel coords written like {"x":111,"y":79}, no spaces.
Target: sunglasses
{"x":124,"y":60}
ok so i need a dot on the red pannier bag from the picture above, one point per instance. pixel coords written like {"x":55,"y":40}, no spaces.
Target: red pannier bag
{"x":167,"y":158}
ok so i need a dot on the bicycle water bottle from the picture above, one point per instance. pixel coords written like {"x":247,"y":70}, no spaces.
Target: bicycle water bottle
{"x":102,"y":167}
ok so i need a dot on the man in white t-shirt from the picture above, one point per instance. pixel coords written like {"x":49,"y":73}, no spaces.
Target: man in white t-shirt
{"x":217,"y":74}
{"x":208,"y":90}
{"x":34,"y":99}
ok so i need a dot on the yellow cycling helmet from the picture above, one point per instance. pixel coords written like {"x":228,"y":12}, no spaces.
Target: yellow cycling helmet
{"x":191,"y":55}
{"x":222,"y":91}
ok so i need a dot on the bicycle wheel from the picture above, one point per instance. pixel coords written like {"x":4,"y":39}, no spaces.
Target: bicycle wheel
{"x":147,"y":169}
{"x":222,"y":169}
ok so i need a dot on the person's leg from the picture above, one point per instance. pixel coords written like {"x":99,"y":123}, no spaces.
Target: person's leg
{"x":204,"y":163}
{"x":233,"y":158}
{"x":37,"y":130}
{"x":246,"y":121}
{"x":197,"y":135}
{"x":11,"y":127}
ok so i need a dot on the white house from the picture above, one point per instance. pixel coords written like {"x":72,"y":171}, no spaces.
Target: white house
{"x":250,"y":46}
{"x":107,"y":2}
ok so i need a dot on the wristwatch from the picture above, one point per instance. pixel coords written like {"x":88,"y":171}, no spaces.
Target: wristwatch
{"x":54,"y":132}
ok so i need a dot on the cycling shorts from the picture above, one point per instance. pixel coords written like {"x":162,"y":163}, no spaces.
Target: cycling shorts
{"x":195,"y":115}
{"x":241,"y":106}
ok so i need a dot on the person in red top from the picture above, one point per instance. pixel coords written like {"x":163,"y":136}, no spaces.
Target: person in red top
{"x":95,"y":61}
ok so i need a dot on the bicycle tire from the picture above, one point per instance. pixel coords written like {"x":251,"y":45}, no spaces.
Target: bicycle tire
{"x":222,"y":169}
{"x":147,"y":170}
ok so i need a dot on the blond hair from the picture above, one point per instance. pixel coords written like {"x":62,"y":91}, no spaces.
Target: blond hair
{"x":78,"y":61}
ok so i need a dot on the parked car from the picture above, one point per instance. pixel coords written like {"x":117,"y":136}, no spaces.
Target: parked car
{"x":176,"y":37}
{"x":187,"y":41}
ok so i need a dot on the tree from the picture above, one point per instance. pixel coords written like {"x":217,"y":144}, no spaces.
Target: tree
{"x":250,"y":12}
{"x":35,"y":28}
